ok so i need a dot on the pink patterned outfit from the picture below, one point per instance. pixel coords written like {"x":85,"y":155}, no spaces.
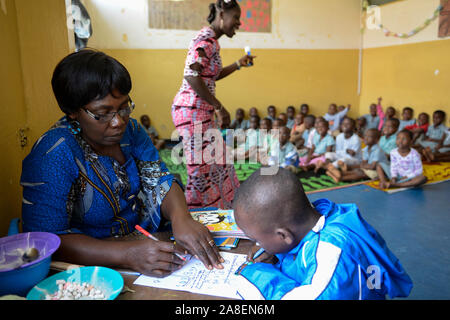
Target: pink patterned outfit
{"x":210,"y":183}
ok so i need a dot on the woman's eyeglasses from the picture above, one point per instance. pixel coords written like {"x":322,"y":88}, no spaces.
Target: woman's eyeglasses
{"x":106,"y":118}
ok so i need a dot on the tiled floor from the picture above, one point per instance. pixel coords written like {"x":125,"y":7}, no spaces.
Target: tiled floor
{"x":416,"y":226}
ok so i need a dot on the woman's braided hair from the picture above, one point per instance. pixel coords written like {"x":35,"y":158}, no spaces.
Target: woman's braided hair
{"x":220,"y":5}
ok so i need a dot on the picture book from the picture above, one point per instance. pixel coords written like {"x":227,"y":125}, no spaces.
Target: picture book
{"x":221,"y":223}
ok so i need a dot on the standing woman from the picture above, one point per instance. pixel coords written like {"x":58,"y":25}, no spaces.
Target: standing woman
{"x":209,"y":184}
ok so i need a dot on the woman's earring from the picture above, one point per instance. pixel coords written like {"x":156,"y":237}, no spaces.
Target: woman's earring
{"x":74,"y":127}
{"x":221,"y":24}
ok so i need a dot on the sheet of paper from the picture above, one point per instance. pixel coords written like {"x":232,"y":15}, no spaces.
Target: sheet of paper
{"x":194,"y":277}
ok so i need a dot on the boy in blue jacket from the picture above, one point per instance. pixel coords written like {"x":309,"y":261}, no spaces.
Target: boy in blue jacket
{"x":323,"y":250}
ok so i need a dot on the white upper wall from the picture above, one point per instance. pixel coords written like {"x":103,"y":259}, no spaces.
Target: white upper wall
{"x":296,"y":24}
{"x":403,"y":17}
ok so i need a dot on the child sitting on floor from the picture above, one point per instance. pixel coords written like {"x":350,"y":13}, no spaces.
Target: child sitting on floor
{"x":316,"y":251}
{"x":265,"y":140}
{"x":253,"y":112}
{"x":322,"y":142}
{"x":284,"y":154}
{"x":283,"y":117}
{"x":372,"y":118}
{"x":252,"y":141}
{"x":334,"y":118}
{"x":407,"y":118}
{"x":435,"y":134}
{"x":406,"y":165}
{"x":304,"y":109}
{"x":388,"y":140}
{"x":421,"y":127}
{"x":442,"y":151}
{"x":297,"y":129}
{"x":277,"y":124}
{"x":372,"y":155}
{"x":239,"y":122}
{"x":361,"y":127}
{"x":348,"y":148}
{"x":271,"y":113}
{"x":290,"y":112}
{"x":300,"y":140}
{"x":152,"y":133}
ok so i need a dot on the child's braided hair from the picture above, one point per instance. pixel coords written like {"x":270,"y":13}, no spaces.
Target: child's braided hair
{"x":220,"y":5}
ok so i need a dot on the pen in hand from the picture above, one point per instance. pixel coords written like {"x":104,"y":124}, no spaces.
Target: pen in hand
{"x":147,"y":234}
{"x":256,"y":255}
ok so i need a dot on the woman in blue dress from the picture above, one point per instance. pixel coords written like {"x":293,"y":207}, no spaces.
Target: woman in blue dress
{"x":95,"y":175}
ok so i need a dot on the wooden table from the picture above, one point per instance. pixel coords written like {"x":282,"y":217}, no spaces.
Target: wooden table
{"x":138,"y":292}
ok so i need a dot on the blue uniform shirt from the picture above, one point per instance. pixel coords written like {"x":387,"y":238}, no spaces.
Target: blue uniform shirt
{"x":388,"y":144}
{"x":372,"y":122}
{"x":341,"y":258}
{"x":374,"y":154}
{"x":321,"y":144}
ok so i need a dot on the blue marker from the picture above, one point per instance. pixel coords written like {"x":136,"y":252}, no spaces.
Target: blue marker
{"x":248,"y":52}
{"x":256,"y":255}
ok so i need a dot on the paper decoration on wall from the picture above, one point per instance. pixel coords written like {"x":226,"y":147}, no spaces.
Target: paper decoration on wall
{"x":389,"y":33}
{"x":256,"y":15}
{"x":444,"y":20}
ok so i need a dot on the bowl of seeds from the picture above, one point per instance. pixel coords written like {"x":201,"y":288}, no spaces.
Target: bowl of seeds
{"x":84,"y":283}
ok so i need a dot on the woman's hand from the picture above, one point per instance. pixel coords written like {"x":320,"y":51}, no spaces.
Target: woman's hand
{"x":188,"y":233}
{"x":222,"y":114}
{"x":197,"y":239}
{"x":154,"y":258}
{"x":246,"y":61}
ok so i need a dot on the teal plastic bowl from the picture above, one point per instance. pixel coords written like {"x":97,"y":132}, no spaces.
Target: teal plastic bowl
{"x":109,"y":281}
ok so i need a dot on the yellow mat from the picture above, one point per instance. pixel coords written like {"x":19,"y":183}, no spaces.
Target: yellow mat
{"x":435,"y":172}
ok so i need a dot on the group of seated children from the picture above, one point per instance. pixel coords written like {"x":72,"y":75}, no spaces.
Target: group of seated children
{"x":375,"y":146}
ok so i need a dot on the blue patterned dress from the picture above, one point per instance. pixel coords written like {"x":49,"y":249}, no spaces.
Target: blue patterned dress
{"x":68,"y":188}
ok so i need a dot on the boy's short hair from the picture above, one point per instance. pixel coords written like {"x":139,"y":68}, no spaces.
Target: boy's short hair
{"x":408,"y":109}
{"x":261,"y":196}
{"x":353,"y":121}
{"x":256,"y":116}
{"x":425,"y":114}
{"x":322,"y":120}
{"x":267,"y":119}
{"x":310,"y":117}
{"x":395,"y":121}
{"x":440,"y":112}
{"x":407,"y":132}
{"x":270,"y":107}
{"x":376,"y":131}
{"x":290,"y":108}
